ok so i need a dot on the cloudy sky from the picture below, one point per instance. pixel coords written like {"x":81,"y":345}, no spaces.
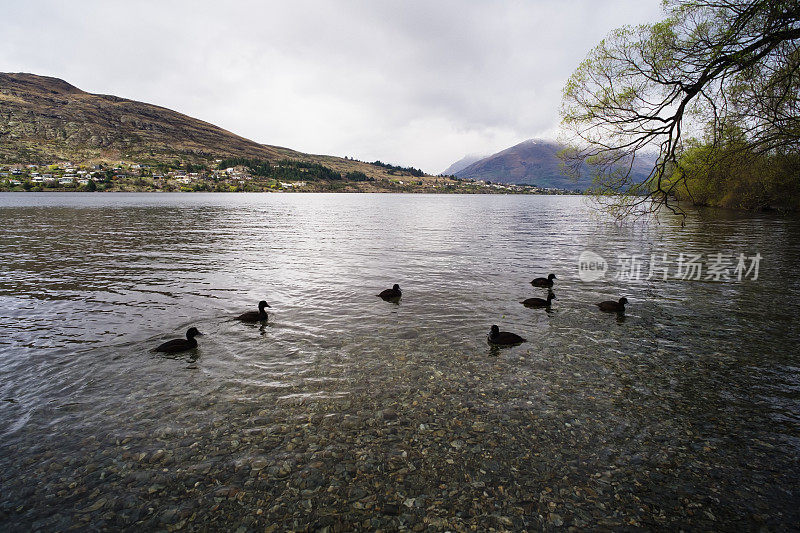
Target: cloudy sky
{"x":415,"y":83}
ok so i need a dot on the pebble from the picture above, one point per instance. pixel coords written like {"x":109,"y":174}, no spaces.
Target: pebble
{"x":462,"y":443}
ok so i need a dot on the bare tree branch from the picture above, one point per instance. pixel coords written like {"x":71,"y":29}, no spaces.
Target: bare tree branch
{"x":711,"y":65}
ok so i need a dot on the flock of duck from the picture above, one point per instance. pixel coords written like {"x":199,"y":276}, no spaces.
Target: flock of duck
{"x":496,"y":337}
{"x":506,"y":338}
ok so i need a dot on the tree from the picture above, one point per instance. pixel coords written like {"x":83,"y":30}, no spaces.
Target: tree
{"x":731,"y":173}
{"x":710,"y":66}
{"x":356,"y":175}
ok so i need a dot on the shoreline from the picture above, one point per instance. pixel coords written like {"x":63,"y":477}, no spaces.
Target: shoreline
{"x":304,"y":191}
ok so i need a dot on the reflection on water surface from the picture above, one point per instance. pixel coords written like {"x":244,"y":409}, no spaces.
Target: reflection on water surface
{"x":684,"y":413}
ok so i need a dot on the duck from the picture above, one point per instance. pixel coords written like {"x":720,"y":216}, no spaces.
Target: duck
{"x":504,"y":338}
{"x":391,"y":294}
{"x":180,"y":345}
{"x":611,"y":306}
{"x":544,"y":282}
{"x":539,"y":302}
{"x":255,"y":316}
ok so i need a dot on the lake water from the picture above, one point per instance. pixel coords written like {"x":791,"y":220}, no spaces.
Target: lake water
{"x":345,"y":411}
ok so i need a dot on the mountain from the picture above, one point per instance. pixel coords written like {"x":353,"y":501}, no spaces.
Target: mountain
{"x":44,"y":119}
{"x":461,"y":164}
{"x":48,"y":117}
{"x":532,"y":162}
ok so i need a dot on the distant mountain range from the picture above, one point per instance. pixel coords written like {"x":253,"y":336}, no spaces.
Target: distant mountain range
{"x":532,"y":162}
{"x":461,"y":164}
{"x":44,"y":119}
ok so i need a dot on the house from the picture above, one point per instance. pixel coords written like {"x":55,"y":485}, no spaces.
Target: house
{"x":239,"y":169}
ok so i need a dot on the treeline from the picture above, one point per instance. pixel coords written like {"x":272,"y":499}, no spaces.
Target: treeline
{"x":256,"y":167}
{"x":733,"y":174}
{"x":394,"y":169}
{"x":357,"y":175}
{"x":282,"y":170}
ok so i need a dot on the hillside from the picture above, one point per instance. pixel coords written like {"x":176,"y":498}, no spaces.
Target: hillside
{"x":44,"y":119}
{"x":532,"y":162}
{"x":461,"y":164}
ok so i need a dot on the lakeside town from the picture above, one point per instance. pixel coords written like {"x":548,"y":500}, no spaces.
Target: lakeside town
{"x":139,"y":177}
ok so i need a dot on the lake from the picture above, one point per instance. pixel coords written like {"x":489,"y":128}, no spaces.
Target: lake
{"x":347,"y":412}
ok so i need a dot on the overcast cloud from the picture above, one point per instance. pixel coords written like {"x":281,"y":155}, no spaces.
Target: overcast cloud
{"x":415,"y":83}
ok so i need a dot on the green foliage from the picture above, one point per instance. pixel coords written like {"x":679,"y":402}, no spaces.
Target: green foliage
{"x":357,"y":176}
{"x":300,"y":170}
{"x":190,"y":167}
{"x":257,"y":167}
{"x":395,"y":169}
{"x":730,"y":67}
{"x":733,"y":175}
{"x":286,"y":169}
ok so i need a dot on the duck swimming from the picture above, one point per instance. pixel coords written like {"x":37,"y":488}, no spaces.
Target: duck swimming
{"x":179,"y":345}
{"x":613,"y":307}
{"x":539,"y":302}
{"x":255,"y":316}
{"x":504,"y":338}
{"x":544,"y":282}
{"x":391,"y":294}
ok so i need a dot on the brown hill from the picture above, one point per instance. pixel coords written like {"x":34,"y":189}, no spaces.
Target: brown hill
{"x":44,"y":119}
{"x":531,"y":162}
